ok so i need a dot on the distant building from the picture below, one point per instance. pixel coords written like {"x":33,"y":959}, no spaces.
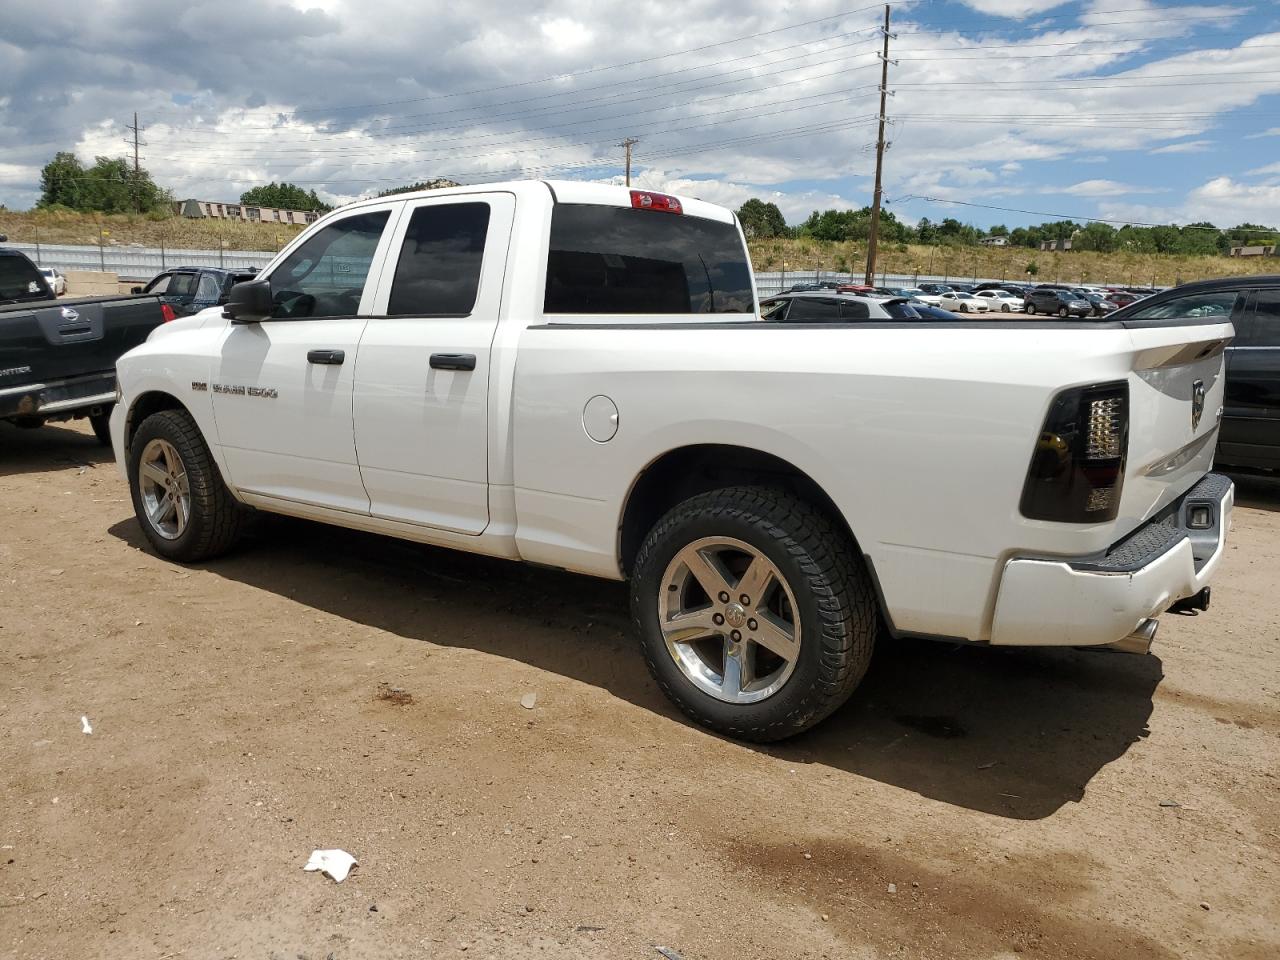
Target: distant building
{"x":994,"y":241}
{"x":1267,"y":251}
{"x":208,"y":209}
{"x":1050,"y":246}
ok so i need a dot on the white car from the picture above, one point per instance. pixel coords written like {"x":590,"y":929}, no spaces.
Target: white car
{"x":1002,"y":300}
{"x":56,"y":281}
{"x":959,"y":302}
{"x":577,"y":375}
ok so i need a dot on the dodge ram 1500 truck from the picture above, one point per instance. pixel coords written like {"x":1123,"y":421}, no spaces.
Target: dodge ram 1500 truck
{"x":58,"y":357}
{"x":577,"y":375}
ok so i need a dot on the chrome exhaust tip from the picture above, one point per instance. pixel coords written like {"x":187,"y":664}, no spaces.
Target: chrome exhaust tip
{"x":1140,"y":640}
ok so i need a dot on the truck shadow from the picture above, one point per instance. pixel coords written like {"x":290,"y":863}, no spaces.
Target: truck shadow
{"x":55,"y":446}
{"x":1259,"y":491}
{"x":1014,"y":733}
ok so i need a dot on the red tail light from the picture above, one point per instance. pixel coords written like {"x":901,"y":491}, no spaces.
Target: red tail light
{"x":644,"y":200}
{"x":166,"y":311}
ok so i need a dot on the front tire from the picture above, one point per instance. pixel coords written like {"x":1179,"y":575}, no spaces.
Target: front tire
{"x":184,"y":507}
{"x":755,"y":615}
{"x":101,"y":423}
{"x":1029,"y":308}
{"x":1063,"y":312}
{"x":1004,"y":308}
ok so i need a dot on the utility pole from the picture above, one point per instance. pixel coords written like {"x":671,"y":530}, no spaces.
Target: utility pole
{"x":627,"y":144}
{"x":137,"y":142}
{"x":874,"y":237}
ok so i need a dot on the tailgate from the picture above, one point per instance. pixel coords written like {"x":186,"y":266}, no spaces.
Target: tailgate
{"x":1175,"y":409}
{"x":53,"y":340}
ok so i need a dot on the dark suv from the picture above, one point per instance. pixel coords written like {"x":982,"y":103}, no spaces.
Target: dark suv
{"x":189,"y":290}
{"x":1250,"y":434}
{"x":1052,"y":300}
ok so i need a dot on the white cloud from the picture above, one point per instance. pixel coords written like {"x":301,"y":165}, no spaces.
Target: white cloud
{"x":1014,"y":9}
{"x":1225,"y":201}
{"x":1187,"y":146}
{"x":1103,"y":188}
{"x":1273,"y":132}
{"x":1268,"y":169}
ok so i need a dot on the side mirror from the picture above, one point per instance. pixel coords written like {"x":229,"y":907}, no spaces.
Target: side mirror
{"x":250,"y":302}
{"x":135,"y":289}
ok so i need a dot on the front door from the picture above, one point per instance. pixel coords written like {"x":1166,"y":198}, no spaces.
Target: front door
{"x":282,"y":388}
{"x":422,"y":378}
{"x":1251,"y":415}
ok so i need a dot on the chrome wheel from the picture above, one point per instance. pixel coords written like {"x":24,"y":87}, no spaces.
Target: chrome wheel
{"x":729,"y":619}
{"x":165,"y":489}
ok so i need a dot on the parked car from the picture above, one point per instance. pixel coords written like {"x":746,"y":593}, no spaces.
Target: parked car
{"x":603,"y":397}
{"x":859,"y":288}
{"x":1250,"y":428}
{"x":57,"y":359}
{"x":961,"y":287}
{"x":1053,"y":300}
{"x":1123,"y":298}
{"x":957,"y":301}
{"x":56,"y":281}
{"x":935,"y":289}
{"x":1002,"y":300}
{"x":1101,"y":305}
{"x":188,"y":290}
{"x":822,"y":306}
{"x":1006,"y":285}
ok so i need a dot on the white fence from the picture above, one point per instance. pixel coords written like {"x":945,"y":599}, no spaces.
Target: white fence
{"x":137,"y":263}
{"x":143,"y":263}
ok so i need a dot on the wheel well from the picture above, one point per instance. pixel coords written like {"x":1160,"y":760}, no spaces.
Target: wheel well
{"x":688,"y":471}
{"x":151,"y":402}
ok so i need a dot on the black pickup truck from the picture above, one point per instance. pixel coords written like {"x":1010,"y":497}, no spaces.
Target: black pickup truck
{"x":58,"y":357}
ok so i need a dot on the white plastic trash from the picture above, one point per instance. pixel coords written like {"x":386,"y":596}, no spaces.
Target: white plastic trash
{"x":335,"y":863}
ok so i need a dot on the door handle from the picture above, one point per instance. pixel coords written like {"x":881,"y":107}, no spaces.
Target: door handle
{"x":453,"y":361}
{"x":331,"y":357}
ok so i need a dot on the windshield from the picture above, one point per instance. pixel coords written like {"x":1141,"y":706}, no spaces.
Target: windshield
{"x":900,"y":310}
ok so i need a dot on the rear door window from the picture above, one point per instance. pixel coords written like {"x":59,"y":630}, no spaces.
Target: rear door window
{"x":181,"y":284}
{"x":1264,"y":330}
{"x":1210,"y":306}
{"x":438,"y":273}
{"x":208,"y":289}
{"x":623,"y":260}
{"x":814,"y":310}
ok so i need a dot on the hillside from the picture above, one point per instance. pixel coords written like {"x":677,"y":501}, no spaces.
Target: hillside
{"x":148,"y":231}
{"x":1008,"y":263}
{"x":798,"y":256}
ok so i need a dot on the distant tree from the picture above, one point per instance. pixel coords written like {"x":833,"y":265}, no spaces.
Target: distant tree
{"x":1033,"y":268}
{"x":286,"y":196}
{"x":999,"y":230}
{"x":110,"y":186}
{"x":926,"y":231}
{"x":437,"y":184}
{"x":760,"y":219}
{"x":1099,"y":237}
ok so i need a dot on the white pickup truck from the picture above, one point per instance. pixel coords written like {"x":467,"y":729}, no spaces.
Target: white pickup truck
{"x":577,"y":375}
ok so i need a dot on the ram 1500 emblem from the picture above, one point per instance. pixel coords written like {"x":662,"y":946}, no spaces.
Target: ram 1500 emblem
{"x":70,"y":315}
{"x":1197,"y":403}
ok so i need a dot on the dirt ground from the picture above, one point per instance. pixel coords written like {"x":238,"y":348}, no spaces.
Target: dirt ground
{"x":968,"y":803}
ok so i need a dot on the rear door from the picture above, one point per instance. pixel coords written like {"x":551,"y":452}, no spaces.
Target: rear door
{"x":282,"y":388}
{"x":1251,"y":424}
{"x":422,"y":378}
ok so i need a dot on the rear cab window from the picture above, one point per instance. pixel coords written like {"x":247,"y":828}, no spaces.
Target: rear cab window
{"x":20,"y":280}
{"x":1214,"y":306}
{"x":621,"y":260}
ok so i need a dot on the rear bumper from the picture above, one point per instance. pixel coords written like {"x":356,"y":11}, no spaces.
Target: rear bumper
{"x":58,"y":396}
{"x":1088,"y":601}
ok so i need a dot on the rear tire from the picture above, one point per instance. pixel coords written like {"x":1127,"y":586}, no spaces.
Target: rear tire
{"x":184,"y":507}
{"x":814,"y":602}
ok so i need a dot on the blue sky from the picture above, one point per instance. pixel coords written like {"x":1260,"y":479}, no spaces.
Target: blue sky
{"x":1142,"y":110}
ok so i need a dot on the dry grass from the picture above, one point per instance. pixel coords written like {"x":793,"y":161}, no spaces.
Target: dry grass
{"x":1009,"y":263}
{"x":42,"y":226}
{"x":799,"y":256}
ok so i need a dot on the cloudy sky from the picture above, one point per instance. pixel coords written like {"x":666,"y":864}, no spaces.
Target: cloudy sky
{"x":1139,"y":110}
